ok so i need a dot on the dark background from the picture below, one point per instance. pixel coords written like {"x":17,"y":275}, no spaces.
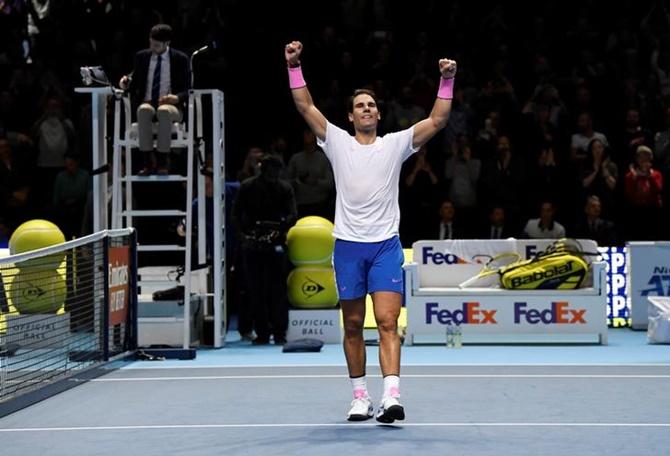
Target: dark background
{"x":506,"y":52}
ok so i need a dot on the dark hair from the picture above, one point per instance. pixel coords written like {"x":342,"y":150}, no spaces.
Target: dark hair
{"x":358,"y":92}
{"x":161,"y":32}
{"x":589,"y":148}
{"x":270,"y":163}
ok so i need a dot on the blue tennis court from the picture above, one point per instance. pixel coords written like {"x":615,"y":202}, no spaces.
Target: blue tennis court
{"x":478,"y":400}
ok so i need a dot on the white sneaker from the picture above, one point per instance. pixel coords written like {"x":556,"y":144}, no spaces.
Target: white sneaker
{"x":361,"y":409}
{"x":390,"y":410}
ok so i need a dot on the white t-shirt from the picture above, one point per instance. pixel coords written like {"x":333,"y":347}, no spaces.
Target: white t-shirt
{"x":366,"y":180}
{"x":534,"y":231}
{"x":581,"y":142}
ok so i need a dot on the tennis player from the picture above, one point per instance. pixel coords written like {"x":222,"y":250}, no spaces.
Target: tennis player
{"x":368,"y":256}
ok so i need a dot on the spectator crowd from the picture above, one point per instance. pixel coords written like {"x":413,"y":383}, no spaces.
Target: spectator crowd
{"x":560,"y":124}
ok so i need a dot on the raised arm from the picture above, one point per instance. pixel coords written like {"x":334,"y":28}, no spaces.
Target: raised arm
{"x":437,"y":120}
{"x":301,"y":96}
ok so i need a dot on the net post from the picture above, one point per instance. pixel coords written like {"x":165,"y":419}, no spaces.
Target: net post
{"x":132,"y":314}
{"x":105,"y":299}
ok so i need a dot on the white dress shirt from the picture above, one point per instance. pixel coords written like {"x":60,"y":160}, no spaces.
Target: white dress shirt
{"x":165,"y":75}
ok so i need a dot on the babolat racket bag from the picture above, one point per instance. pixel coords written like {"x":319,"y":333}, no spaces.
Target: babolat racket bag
{"x":556,"y":268}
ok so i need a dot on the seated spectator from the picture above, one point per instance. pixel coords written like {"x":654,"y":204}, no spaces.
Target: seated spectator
{"x":544,"y":227}
{"x":591,"y":226}
{"x":310,"y":174}
{"x":496,"y":228}
{"x":448,"y":227}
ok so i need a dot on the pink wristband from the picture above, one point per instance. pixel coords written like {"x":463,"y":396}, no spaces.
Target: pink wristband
{"x":295,"y":78}
{"x":446,"y":90}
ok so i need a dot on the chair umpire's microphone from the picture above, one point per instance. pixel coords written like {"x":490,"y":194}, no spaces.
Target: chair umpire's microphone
{"x":196,"y":52}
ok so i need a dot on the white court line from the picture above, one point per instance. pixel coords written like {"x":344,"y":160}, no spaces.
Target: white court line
{"x":325,"y":425}
{"x":343,"y":364}
{"x":262,"y":377}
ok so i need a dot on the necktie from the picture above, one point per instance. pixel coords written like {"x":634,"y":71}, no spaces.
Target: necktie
{"x":156,"y":84}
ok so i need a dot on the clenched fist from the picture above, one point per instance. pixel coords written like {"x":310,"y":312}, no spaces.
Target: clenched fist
{"x":447,"y":68}
{"x":292,"y":53}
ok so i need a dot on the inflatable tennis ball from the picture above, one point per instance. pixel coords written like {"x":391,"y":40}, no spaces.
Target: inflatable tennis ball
{"x":312,"y":287}
{"x":310,"y":241}
{"x":33,"y":235}
{"x":38,"y":292}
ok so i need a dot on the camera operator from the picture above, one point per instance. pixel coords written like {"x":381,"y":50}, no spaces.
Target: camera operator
{"x":264,"y":210}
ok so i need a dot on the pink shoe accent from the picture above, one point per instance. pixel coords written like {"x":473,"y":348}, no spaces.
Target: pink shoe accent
{"x":394,"y":392}
{"x":360,"y":394}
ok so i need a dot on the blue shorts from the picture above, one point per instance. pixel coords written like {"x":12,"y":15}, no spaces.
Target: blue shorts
{"x":366,"y":267}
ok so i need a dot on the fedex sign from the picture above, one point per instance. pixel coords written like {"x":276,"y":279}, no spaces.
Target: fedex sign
{"x":429,"y":256}
{"x":558,"y":313}
{"x":469,"y":313}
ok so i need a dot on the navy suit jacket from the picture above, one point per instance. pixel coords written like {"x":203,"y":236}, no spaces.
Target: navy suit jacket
{"x":180,"y":77}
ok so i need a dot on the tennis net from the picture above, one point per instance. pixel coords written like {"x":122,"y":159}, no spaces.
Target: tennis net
{"x":65,"y":310}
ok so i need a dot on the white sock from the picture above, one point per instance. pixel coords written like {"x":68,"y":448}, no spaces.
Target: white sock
{"x":360,"y":387}
{"x":391,"y":386}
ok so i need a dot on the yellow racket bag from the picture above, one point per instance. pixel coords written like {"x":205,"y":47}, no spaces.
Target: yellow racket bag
{"x":558,"y":270}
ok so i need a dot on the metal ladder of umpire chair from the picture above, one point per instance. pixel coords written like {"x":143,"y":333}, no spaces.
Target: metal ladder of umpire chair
{"x":123,"y":212}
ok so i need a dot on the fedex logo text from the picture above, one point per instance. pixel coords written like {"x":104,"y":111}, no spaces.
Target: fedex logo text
{"x":430,"y":256}
{"x":469,"y":313}
{"x":559,"y":313}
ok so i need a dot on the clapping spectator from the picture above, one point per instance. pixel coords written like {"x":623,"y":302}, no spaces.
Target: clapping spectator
{"x":600,"y":175}
{"x":584,"y":135}
{"x":420,"y":192}
{"x":55,"y":136}
{"x":643,"y":191}
{"x":462,"y":172}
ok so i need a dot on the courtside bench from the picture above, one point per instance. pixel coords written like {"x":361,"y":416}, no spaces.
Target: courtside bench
{"x":494,"y":315}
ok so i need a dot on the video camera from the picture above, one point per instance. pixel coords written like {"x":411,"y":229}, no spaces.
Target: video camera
{"x":94,"y":75}
{"x":265,"y":236}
